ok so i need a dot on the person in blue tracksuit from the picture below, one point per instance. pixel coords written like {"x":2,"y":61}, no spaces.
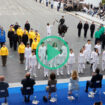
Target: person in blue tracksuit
{"x":2,"y":36}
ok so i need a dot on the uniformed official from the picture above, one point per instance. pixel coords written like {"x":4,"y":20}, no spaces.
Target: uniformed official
{"x":92,"y":29}
{"x":86,"y":27}
{"x":79,"y":26}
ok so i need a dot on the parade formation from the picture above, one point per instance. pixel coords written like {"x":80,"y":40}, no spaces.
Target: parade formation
{"x":24,"y":38}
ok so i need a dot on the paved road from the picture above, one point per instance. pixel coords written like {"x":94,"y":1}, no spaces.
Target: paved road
{"x":12,"y":11}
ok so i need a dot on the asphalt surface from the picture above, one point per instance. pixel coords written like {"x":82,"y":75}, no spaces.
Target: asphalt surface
{"x":12,"y":11}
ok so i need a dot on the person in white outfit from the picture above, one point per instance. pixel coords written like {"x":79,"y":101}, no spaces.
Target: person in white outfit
{"x":55,"y":59}
{"x":33,"y":64}
{"x":46,"y":70}
{"x":42,"y":53}
{"x":85,"y":54}
{"x":64,"y":53}
{"x":94,"y":59}
{"x":52,"y":4}
{"x":71,"y":62}
{"x":53,"y":62}
{"x":88,"y":48}
{"x":27,"y":54}
{"x":49,"y":28}
{"x":103,"y":60}
{"x":81,"y":62}
{"x":98,"y":46}
{"x":59,"y":62}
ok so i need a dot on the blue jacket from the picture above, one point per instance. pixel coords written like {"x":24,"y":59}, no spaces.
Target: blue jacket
{"x":2,"y":37}
{"x":73,"y":85}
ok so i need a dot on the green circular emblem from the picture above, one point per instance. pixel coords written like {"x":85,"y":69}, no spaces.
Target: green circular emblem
{"x":56,"y":54}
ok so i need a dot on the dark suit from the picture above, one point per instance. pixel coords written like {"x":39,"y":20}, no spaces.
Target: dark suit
{"x":79,"y":26}
{"x":15,"y":40}
{"x":103,"y":41}
{"x":4,"y":86}
{"x":16,"y":27}
{"x":95,"y":78}
{"x":10,"y":36}
{"x":92,"y":29}
{"x":86,"y":27}
{"x":27,"y":26}
{"x":25,"y":39}
{"x":27,"y":88}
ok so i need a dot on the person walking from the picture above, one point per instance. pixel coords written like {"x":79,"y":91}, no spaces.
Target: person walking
{"x":21,"y":51}
{"x":86,"y":27}
{"x":52,"y":4}
{"x":92,"y":29}
{"x":79,"y":27}
{"x":4,"y":53}
{"x":59,"y":6}
{"x":47,"y":3}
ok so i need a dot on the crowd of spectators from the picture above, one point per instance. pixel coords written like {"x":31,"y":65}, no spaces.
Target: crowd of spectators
{"x":98,"y":12}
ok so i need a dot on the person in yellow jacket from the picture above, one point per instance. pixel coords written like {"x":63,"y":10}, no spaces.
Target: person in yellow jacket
{"x":21,"y":51}
{"x":4,"y":54}
{"x":25,"y":31}
{"x":34,"y":45}
{"x":37,"y":36}
{"x":31,"y":35}
{"x":19,"y":33}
